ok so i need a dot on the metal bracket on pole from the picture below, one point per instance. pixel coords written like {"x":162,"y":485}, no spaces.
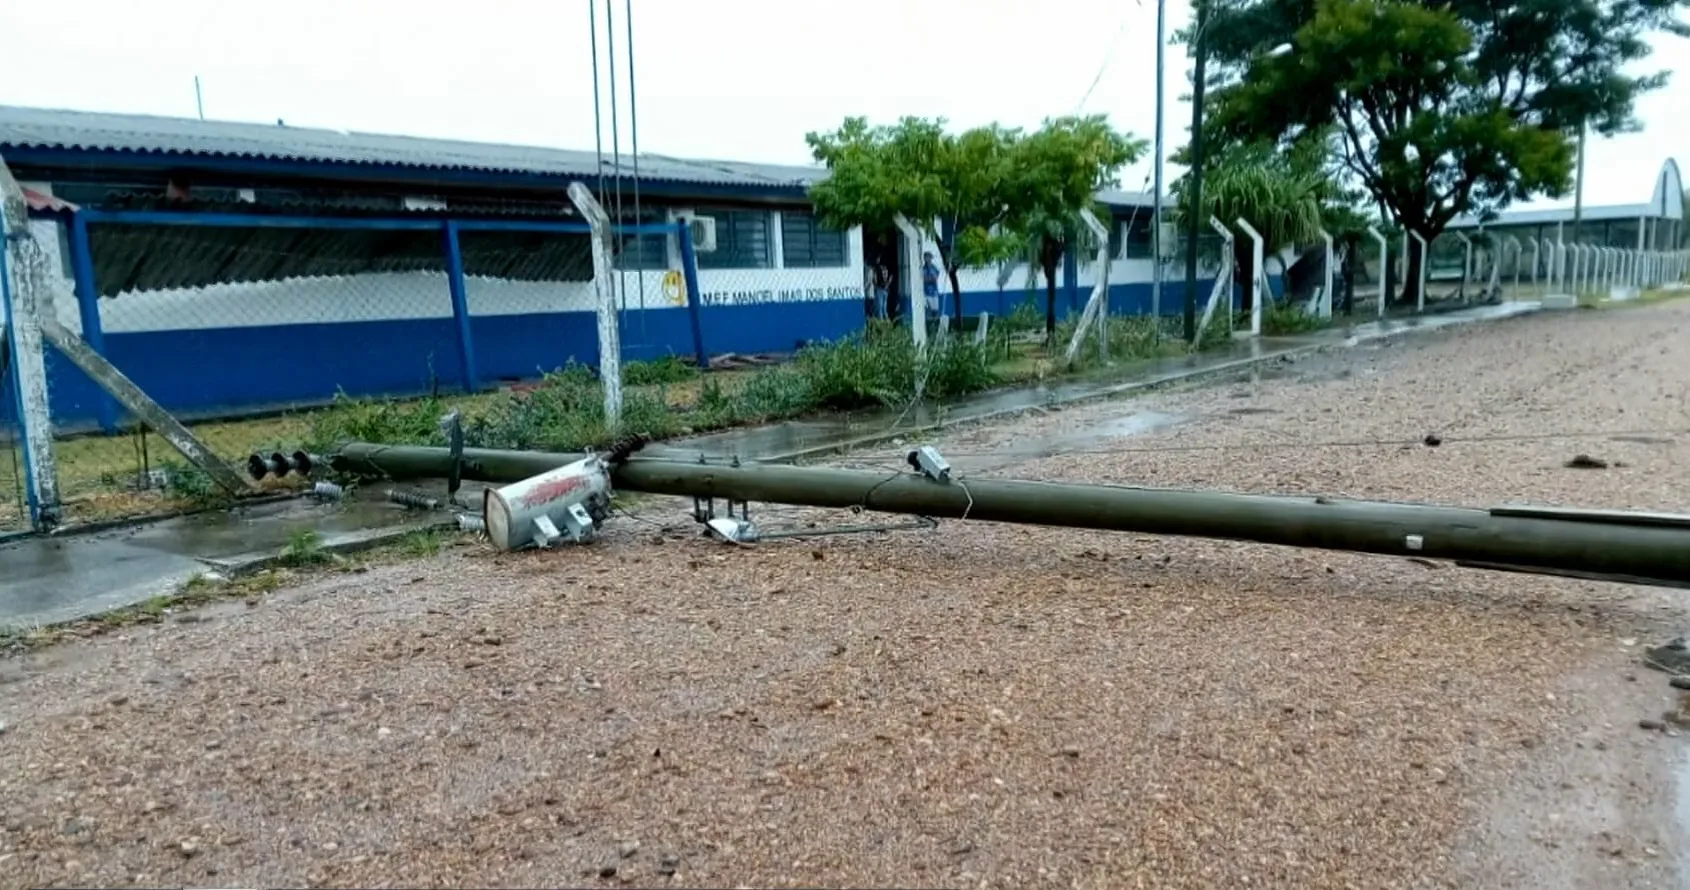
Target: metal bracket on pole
{"x":604,"y":284}
{"x":1425,"y":255}
{"x":1099,"y":294}
{"x":1384,"y":266}
{"x":1324,"y":308}
{"x":1256,"y":261}
{"x":930,"y":463}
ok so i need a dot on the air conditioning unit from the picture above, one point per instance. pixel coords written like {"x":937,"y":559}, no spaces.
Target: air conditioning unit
{"x":703,"y":229}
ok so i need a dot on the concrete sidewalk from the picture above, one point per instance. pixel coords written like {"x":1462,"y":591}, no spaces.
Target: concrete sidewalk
{"x":45,"y":580}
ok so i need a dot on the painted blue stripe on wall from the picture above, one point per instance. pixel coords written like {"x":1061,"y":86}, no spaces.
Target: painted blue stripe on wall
{"x":207,"y":373}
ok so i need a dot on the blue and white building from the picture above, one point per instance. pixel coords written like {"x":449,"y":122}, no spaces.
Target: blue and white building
{"x":233,"y":267}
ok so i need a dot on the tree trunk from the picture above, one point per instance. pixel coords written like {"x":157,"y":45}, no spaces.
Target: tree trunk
{"x":1243,"y":273}
{"x":1050,"y":256}
{"x":956,"y":298}
{"x":1411,"y":287}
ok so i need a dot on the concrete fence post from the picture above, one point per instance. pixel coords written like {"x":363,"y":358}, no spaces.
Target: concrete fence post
{"x":1257,"y":258}
{"x":1324,"y":309}
{"x":22,"y":265}
{"x":916,"y":245}
{"x":604,"y":285}
{"x":1384,"y":267}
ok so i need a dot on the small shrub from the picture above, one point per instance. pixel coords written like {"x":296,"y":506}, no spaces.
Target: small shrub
{"x":876,"y":367}
{"x":191,"y":484}
{"x":774,"y":394}
{"x":958,"y":367}
{"x":304,"y":548}
{"x":669,"y":369}
{"x":382,"y":421}
{"x":1285,"y":317}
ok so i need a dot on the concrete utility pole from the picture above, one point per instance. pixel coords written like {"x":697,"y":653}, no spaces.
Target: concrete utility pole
{"x":1630,"y":547}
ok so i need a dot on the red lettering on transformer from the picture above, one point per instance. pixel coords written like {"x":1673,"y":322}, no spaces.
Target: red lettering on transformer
{"x":546,"y":492}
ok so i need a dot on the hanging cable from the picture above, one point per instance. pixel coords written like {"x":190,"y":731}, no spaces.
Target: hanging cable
{"x":598,"y":125}
{"x":616,"y":161}
{"x":634,"y":130}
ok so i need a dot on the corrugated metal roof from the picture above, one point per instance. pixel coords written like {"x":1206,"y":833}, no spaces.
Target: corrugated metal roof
{"x":57,"y":128}
{"x":1551,"y":215}
{"x":22,"y":127}
{"x":40,"y":202}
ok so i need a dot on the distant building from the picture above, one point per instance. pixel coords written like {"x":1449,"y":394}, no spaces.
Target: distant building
{"x":1654,"y":224}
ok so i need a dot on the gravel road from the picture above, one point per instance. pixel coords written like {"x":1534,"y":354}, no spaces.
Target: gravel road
{"x":975,"y":705}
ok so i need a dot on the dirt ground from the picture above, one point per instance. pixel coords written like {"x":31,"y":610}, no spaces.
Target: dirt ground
{"x":974,"y":705}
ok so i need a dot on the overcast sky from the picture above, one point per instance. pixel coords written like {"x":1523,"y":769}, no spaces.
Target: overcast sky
{"x":739,"y":79}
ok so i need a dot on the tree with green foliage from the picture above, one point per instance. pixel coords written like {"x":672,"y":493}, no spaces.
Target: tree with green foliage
{"x":1054,"y":174}
{"x":918,"y":169}
{"x":1284,"y":195}
{"x":1441,"y":110}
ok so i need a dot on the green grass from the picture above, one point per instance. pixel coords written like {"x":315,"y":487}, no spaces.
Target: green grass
{"x":564,"y":411}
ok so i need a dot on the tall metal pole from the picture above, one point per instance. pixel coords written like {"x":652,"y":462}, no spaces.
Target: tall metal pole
{"x":199,"y":99}
{"x":1633,"y":547}
{"x":1193,"y":223}
{"x":1578,"y":186}
{"x":1156,"y":233}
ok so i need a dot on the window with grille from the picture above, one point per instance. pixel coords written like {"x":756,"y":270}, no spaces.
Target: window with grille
{"x":806,"y":244}
{"x":644,"y":253}
{"x":742,"y":240}
{"x":1140,"y":236}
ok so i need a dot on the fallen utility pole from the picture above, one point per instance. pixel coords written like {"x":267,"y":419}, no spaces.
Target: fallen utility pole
{"x":1643,"y":548}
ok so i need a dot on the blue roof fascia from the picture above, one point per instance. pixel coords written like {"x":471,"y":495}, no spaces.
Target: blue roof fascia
{"x":386,"y":173}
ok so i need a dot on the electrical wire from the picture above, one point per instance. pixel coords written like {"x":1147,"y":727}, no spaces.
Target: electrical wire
{"x":634,"y":128}
{"x":598,"y":125}
{"x":616,"y":158}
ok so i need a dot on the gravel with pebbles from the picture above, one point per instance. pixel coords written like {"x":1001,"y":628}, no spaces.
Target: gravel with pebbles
{"x":973,"y":706}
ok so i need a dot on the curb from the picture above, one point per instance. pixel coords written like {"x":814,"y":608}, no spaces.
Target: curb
{"x":245,"y":564}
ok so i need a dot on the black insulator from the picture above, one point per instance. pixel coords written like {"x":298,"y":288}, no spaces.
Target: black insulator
{"x":625,"y":446}
{"x":279,"y":464}
{"x":257,"y":467}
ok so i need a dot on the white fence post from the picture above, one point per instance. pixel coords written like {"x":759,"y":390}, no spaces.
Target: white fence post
{"x":23,"y":296}
{"x":604,"y":284}
{"x":1256,"y":261}
{"x":1384,"y":266}
{"x":1519,"y":253}
{"x":1466,"y":261}
{"x":918,"y":299}
{"x":1324,"y":310}
{"x":1222,"y":288}
{"x":1099,"y":295}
